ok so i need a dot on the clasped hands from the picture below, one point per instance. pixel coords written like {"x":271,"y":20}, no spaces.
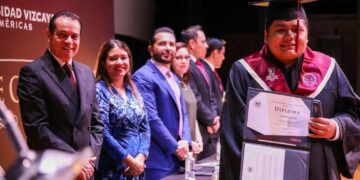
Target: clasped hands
{"x":212,"y":129}
{"x":87,"y":169}
{"x":136,"y":165}
{"x":182,"y":149}
{"x":197,"y":147}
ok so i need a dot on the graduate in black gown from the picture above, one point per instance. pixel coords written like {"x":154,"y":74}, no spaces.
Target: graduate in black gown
{"x":286,"y":64}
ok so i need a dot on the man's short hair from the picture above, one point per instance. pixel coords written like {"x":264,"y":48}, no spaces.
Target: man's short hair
{"x":66,"y":14}
{"x":214,"y":44}
{"x":160,"y":30}
{"x":190,"y":33}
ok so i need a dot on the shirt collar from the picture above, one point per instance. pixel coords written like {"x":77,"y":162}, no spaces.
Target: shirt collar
{"x":210,"y":64}
{"x":162,"y":68}
{"x":61,"y":62}
{"x":193,"y":58}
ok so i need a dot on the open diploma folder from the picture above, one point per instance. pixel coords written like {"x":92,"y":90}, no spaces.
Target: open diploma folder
{"x":275,"y":145}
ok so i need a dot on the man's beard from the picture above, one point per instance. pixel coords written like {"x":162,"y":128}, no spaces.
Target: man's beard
{"x":157,"y":57}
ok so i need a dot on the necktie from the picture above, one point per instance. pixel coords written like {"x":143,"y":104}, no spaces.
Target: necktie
{"x":202,"y":70}
{"x":219,"y":81}
{"x":176,"y":91}
{"x":70,"y":74}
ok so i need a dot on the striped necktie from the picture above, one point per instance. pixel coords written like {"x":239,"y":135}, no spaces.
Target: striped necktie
{"x":70,"y":74}
{"x":202,"y":70}
{"x":219,"y":81}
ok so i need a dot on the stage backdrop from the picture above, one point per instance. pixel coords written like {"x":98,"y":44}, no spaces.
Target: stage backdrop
{"x":23,"y":38}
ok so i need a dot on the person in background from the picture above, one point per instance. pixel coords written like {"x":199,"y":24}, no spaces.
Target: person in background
{"x":286,"y":64}
{"x":209,"y":121}
{"x":57,"y":98}
{"x":180,"y":66}
{"x":215,"y":55}
{"x":165,"y":107}
{"x":127,"y":132}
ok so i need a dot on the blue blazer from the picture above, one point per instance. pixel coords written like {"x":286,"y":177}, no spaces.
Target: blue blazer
{"x":163,"y":117}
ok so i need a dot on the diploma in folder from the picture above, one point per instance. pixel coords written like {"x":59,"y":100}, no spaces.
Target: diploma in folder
{"x":276,"y":144}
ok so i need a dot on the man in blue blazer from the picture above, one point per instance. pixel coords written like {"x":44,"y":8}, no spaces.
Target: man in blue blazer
{"x":58,"y":107}
{"x":160,"y":89}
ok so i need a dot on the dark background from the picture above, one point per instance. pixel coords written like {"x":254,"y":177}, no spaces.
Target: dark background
{"x":333,"y":28}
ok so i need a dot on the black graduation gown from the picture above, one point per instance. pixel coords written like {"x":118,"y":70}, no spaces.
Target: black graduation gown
{"x":327,"y":158}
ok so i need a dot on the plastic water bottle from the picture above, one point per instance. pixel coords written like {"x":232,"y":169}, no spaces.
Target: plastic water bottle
{"x":189,"y":167}
{"x":215,"y":175}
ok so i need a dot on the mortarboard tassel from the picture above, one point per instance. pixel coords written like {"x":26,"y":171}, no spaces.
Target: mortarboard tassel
{"x":297,"y":26}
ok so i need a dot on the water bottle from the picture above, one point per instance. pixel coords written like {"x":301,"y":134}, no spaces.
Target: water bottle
{"x":215,"y":175}
{"x":189,"y":167}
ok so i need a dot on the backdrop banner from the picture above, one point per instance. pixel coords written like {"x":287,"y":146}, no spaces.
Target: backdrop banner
{"x":23,"y":38}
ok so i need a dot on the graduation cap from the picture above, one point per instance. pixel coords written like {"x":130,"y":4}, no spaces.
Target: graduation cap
{"x":283,"y":10}
{"x":267,"y":2}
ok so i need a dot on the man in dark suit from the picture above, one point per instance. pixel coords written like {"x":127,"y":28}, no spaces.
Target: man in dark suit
{"x":215,"y":55}
{"x":57,"y":95}
{"x":209,"y":120}
{"x":165,"y":106}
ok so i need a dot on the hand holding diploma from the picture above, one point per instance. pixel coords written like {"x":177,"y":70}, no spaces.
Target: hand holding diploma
{"x":322,"y":128}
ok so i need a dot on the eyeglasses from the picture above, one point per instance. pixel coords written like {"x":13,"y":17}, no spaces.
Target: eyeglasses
{"x":187,"y":58}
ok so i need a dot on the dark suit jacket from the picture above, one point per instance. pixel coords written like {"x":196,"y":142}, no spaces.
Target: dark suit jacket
{"x":163,"y":116}
{"x":214,"y":83}
{"x":206,"y":101}
{"x":54,"y":115}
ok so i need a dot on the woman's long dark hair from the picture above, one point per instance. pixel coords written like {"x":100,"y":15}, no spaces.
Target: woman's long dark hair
{"x":101,"y":73}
